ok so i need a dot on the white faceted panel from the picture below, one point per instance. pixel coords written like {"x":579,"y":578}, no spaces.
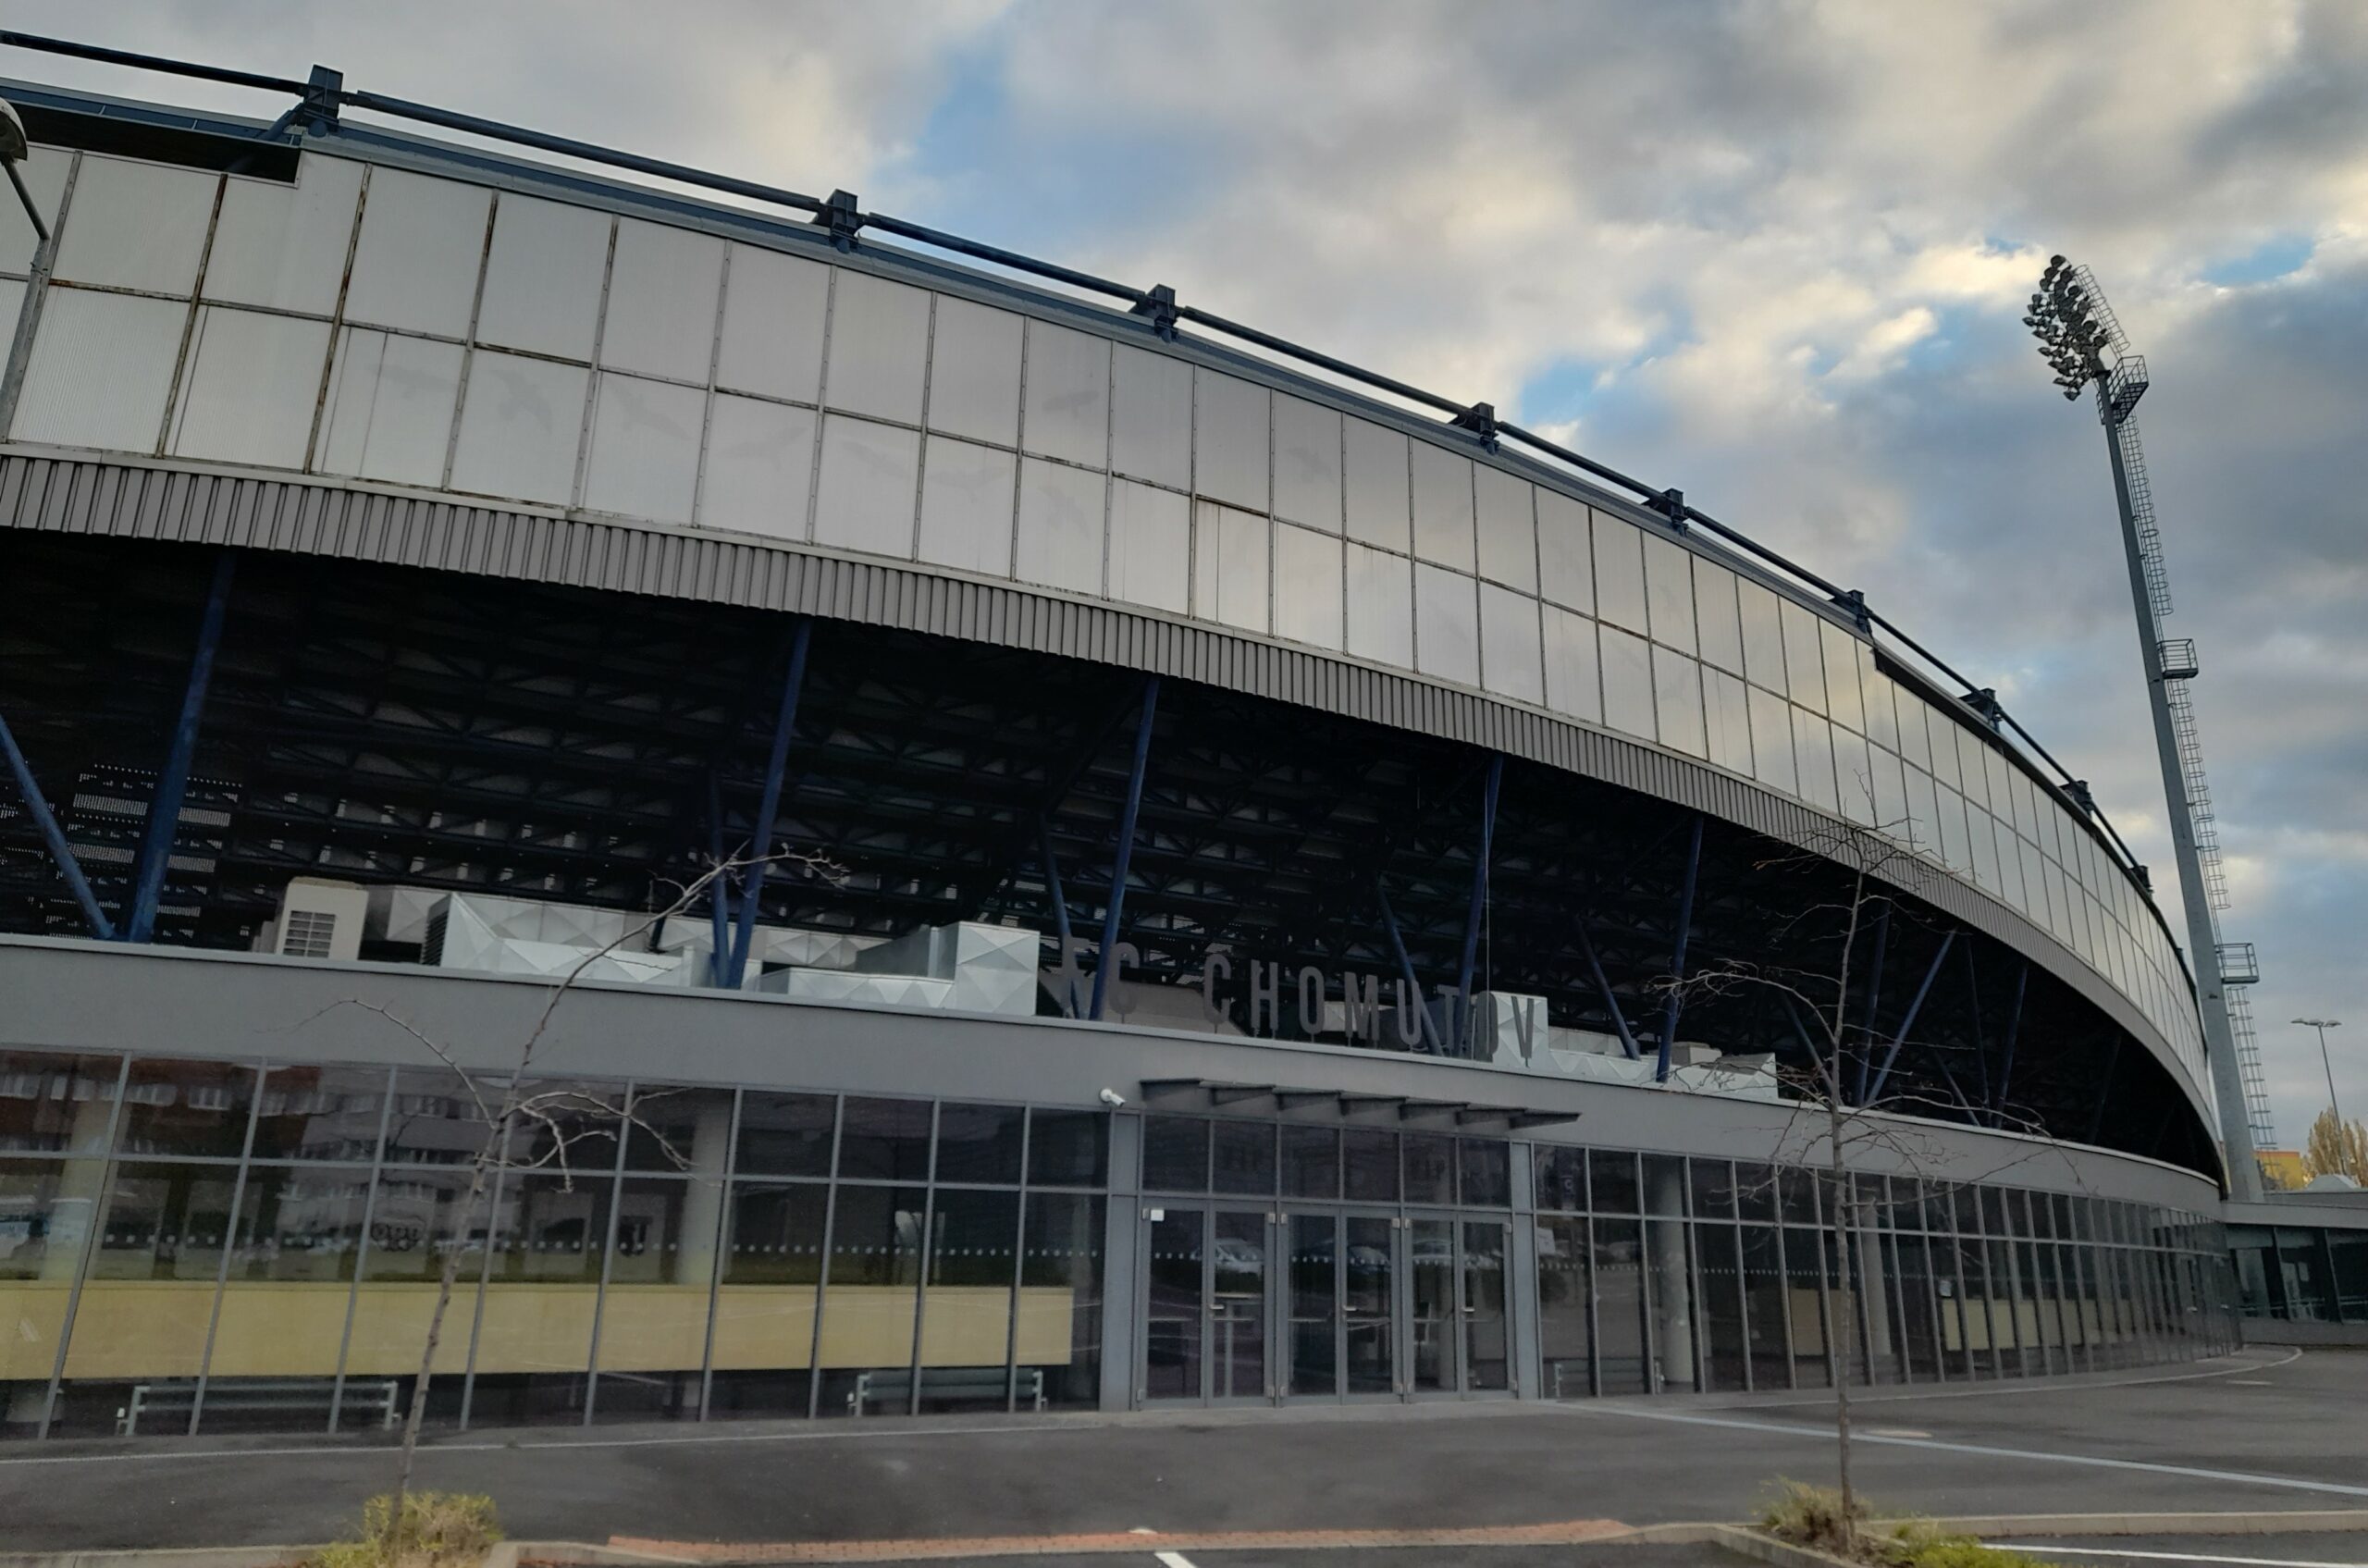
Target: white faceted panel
{"x":868,"y":487}
{"x":1379,"y":503}
{"x":1843,"y":701}
{"x":416,"y":262}
{"x":1882,"y":711}
{"x":1229,"y":423}
{"x":1923,"y":812}
{"x":974,"y":372}
{"x":879,"y":347}
{"x":101,"y":370}
{"x":1914,"y":736}
{"x":1771,"y":742}
{"x":1442,"y":482}
{"x":645,"y":460}
{"x":283,"y":246}
{"x":1668,"y":592}
{"x":1974,"y":769}
{"x":1853,"y":775}
{"x":1565,"y":552}
{"x":1813,"y":754}
{"x":248,"y":393}
{"x":1307,"y":463}
{"x":1510,"y":660}
{"x":1381,"y":606}
{"x":1943,"y":734}
{"x":1060,"y":525}
{"x":543,"y":277}
{"x":1715,"y":616}
{"x":1068,"y":401}
{"x":661,"y":302}
{"x":1954,"y":851}
{"x":966,"y":500}
{"x":1763,"y":637}
{"x":1151,"y":416}
{"x":1232,"y":560}
{"x":1447,"y":624}
{"x":520,"y":421}
{"x":44,"y":172}
{"x":1151,"y":547}
{"x":389,"y":410}
{"x":1619,"y":573}
{"x":135,"y":226}
{"x":1627,"y":682}
{"x":1507,"y":528}
{"x":1804,"y":664}
{"x":1727,"y":713}
{"x":1574,"y":671}
{"x":1677,"y":701}
{"x":759,"y":474}
{"x":773,"y":312}
{"x":1307,"y":586}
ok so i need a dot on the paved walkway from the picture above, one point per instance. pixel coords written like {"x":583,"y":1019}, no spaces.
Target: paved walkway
{"x":2265,"y":1430}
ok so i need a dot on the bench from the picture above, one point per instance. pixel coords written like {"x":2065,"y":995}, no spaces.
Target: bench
{"x":380,"y":1397}
{"x":894,"y":1389}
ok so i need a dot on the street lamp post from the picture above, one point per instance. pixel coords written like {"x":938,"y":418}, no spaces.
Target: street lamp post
{"x":2323,"y":1025}
{"x":2082,"y":344}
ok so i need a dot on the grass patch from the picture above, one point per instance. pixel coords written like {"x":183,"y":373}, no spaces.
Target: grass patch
{"x":1814,"y":1517}
{"x":436,"y":1530}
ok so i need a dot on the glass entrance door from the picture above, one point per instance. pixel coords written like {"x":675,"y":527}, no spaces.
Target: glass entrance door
{"x":1175,"y":1242}
{"x":1433,"y":1307}
{"x":1487,"y":1364}
{"x":1371,"y":1278}
{"x":1340,"y":1306}
{"x":1456,"y":1306}
{"x":1206,"y":1305}
{"x":1239,"y":1279}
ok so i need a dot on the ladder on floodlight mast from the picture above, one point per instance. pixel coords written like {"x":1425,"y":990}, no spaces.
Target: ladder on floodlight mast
{"x":2175,"y":658}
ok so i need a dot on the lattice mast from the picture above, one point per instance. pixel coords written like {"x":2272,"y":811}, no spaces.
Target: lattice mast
{"x":2083,"y":342}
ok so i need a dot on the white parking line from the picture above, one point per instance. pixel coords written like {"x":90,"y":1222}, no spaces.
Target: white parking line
{"x":2173,"y":1556}
{"x":1172,"y":1559}
{"x":2288,"y":1483}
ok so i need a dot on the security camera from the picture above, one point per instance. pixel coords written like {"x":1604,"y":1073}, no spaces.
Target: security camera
{"x":1113,"y":1099}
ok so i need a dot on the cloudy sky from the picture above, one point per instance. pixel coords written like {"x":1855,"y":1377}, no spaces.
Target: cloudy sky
{"x":1772,"y":253}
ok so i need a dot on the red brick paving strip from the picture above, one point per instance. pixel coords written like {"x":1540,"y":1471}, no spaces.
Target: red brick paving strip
{"x":1562,"y":1533}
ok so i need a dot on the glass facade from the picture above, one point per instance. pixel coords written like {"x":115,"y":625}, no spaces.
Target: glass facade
{"x":642,"y":371}
{"x":2299,"y":1274}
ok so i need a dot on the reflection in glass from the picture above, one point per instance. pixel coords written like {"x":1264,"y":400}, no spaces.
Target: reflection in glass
{"x":1369,"y":1304}
{"x":1719,"y":1258}
{"x":1431,"y":1259}
{"x":1562,"y":1341}
{"x":654,"y":1314}
{"x":884,"y":1141}
{"x":784,"y":1134}
{"x":1487,"y":1355}
{"x":978,"y":1144}
{"x":1238,"y":1285}
{"x":1172,"y":1368}
{"x":1369,"y":1166}
{"x":1176,"y":1155}
{"x":53,"y":1104}
{"x":1618,"y":1279}
{"x":1059,"y":1337}
{"x":868,"y":1298}
{"x":1068,"y":1148}
{"x":186,"y":1109}
{"x":765,"y":1303}
{"x":535,"y":1343}
{"x":1314,"y":1299}
{"x":1244,"y":1159}
{"x":320,"y":1113}
{"x":1765,"y":1304}
{"x":1311,"y":1162}
{"x":967,"y":1299}
{"x":1430,"y":1167}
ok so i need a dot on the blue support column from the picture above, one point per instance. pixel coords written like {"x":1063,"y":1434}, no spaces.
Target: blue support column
{"x":1611,"y":1003}
{"x":719,"y":905}
{"x":1874,"y":995}
{"x":769,"y":803}
{"x":1060,"y":903}
{"x":51,"y":834}
{"x":1908,"y":1023}
{"x":1677,"y":959}
{"x":2014,"y":1029}
{"x":1478,"y":906}
{"x":1106,"y":958}
{"x":172,"y":779}
{"x":1429,"y":1031}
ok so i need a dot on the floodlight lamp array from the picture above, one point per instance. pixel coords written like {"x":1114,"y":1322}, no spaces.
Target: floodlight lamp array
{"x":2072,"y":336}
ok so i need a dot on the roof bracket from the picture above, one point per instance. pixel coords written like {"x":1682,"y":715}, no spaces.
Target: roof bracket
{"x":1854,"y":601}
{"x":322,"y":95}
{"x":842,"y":216}
{"x":1481,"y":420}
{"x":1984,"y":701}
{"x":1672,"y":505}
{"x":1158,"y":306}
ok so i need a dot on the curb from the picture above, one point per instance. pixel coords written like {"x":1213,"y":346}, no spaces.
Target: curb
{"x":2264,"y":1522}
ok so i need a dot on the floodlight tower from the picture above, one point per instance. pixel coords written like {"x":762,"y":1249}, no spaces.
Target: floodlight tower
{"x":2083,"y":344}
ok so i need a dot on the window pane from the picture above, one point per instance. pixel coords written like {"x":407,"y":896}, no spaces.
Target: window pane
{"x":1230,"y":566}
{"x":1763,"y":637}
{"x":1068,"y":1148}
{"x":871,"y":477}
{"x":283,"y":246}
{"x":176,"y":1108}
{"x":1430,"y":1167}
{"x":543,"y":277}
{"x":1722,"y":628}
{"x":967,"y":1299}
{"x":1804,"y":664}
{"x":884,"y":1141}
{"x":520,"y":426}
{"x":1307,"y":463}
{"x":1617,"y":1277}
{"x":784,"y":1134}
{"x":1151,"y":416}
{"x":1508,"y":531}
{"x":101,"y":371}
{"x":654,"y":1314}
{"x":1677,"y":700}
{"x":1245,"y":1157}
{"x":1509,"y":644}
{"x":1487,"y":1172}
{"x":1229,"y":425}
{"x":1175,"y":1153}
{"x":879,"y":337}
{"x":1726,"y":707}
{"x":1619,"y":573}
{"x":320,"y":1113}
{"x":678,"y":1131}
{"x":1311,"y":1162}
{"x":55,"y":1104}
{"x":1562,"y":1176}
{"x":1714,"y":1189}
{"x":46,"y":1211}
{"x":1380,"y":510}
{"x":390,"y":409}
{"x":1307,"y":586}
{"x":661,"y":301}
{"x":1565,"y":552}
{"x":135,"y":226}
{"x":1668,"y":592}
{"x":1442,"y":483}
{"x":1627,"y":684}
{"x":1381,"y":606}
{"x":765,"y":1304}
{"x":1369,"y":1166}
{"x":978,"y":1142}
{"x":759,"y":468}
{"x":1574,"y":675}
{"x":967,"y":506}
{"x":249,"y":391}
{"x":1848,"y":708}
{"x":868,"y":1299}
{"x":974,"y":372}
{"x":645,"y":459}
{"x":1060,"y":1301}
{"x":1611,"y":1175}
{"x":773,"y":310}
{"x":299,"y":1234}
{"x":1813,"y":746}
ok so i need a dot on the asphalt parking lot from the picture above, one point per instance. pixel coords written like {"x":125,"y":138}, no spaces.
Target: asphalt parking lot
{"x":2268,"y":1430}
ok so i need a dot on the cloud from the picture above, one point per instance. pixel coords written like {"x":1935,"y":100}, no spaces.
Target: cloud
{"x":1787,"y":239}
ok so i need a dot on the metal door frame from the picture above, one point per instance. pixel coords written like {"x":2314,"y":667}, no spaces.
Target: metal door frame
{"x":1342,"y":1214}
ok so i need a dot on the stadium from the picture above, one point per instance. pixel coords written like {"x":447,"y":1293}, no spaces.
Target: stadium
{"x":1033,"y":847}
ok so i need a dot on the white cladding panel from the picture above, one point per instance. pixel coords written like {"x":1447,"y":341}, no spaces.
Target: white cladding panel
{"x":1381,"y":606}
{"x":1442,"y":507}
{"x":1507,"y":526}
{"x":1151,"y":547}
{"x":645,"y":460}
{"x":869,"y":488}
{"x":759,"y":467}
{"x":1151,"y":416}
{"x":1379,"y":508}
{"x":416,"y":260}
{"x":965,"y":506}
{"x":1307,"y":586}
{"x":388,"y":415}
{"x":1307,"y":463}
{"x":1509,"y":654}
{"x":974,"y":372}
{"x":1060,"y":525}
{"x":249,"y":391}
{"x":1230,"y":440}
{"x":878,"y":348}
{"x":1231,"y":561}
{"x":1068,"y":398}
{"x":1447,"y":624}
{"x":135,"y":226}
{"x":662,"y":289}
{"x":774,"y":310}
{"x":521,"y":422}
{"x":101,"y":372}
{"x":544,"y":277}
{"x":283,"y":246}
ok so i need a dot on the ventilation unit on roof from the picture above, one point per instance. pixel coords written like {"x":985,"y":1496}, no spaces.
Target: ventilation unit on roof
{"x":320,"y":919}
